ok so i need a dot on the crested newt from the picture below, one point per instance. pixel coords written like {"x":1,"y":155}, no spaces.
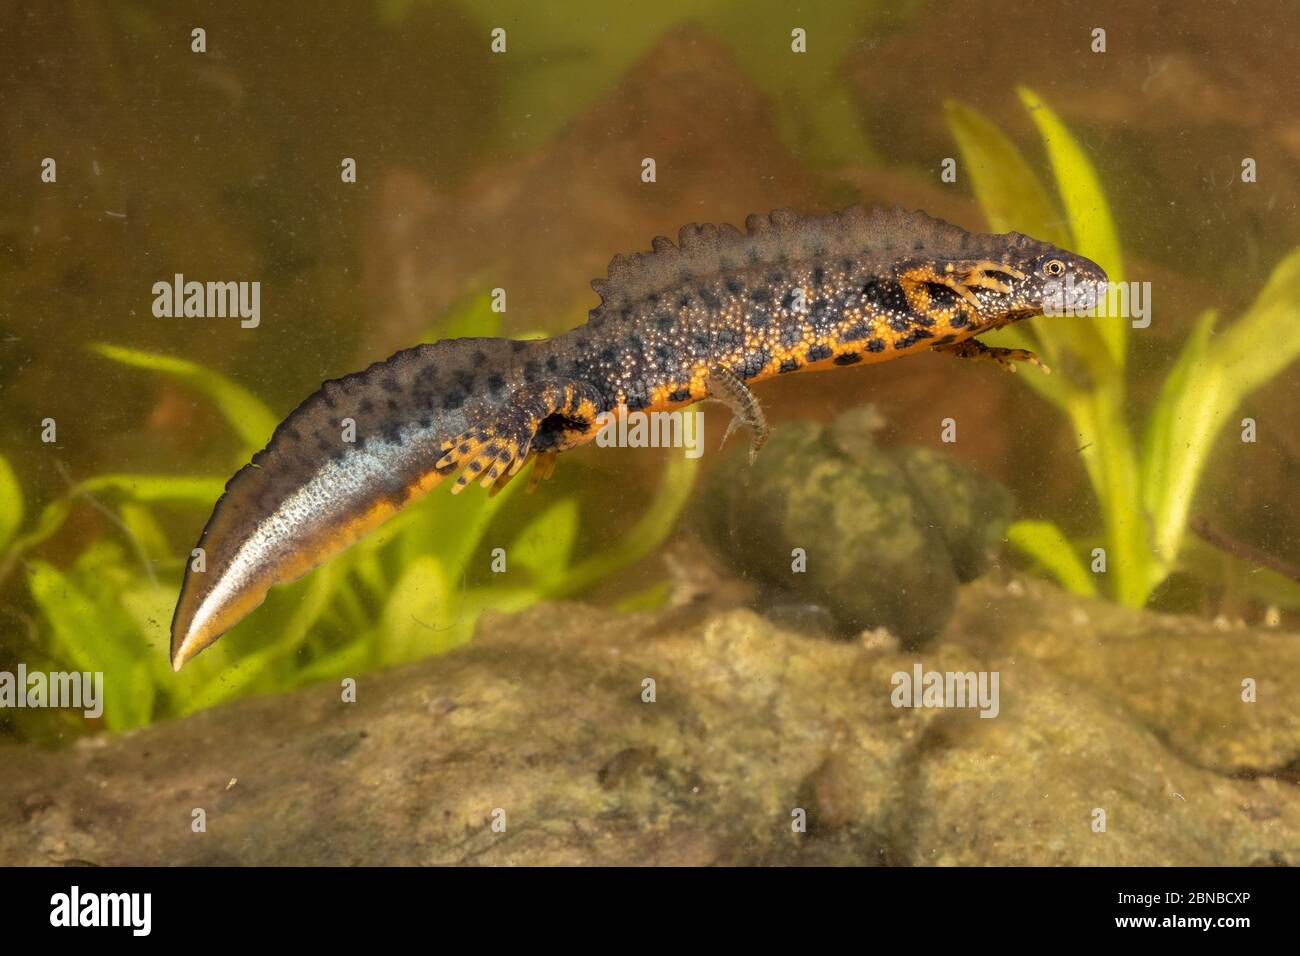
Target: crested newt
{"x":705,"y":317}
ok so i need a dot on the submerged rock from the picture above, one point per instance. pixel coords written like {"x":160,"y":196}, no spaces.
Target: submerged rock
{"x":888,"y":534}
{"x":1107,"y":714}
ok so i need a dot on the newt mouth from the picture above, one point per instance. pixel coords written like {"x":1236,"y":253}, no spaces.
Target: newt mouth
{"x":1074,"y":296}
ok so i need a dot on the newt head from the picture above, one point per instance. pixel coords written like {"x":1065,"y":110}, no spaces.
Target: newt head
{"x":1029,"y":278}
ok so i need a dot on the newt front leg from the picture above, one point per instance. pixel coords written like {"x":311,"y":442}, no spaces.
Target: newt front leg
{"x":974,"y":348}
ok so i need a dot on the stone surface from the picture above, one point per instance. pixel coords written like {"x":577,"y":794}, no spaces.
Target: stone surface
{"x":888,"y":534}
{"x":1135,"y":714}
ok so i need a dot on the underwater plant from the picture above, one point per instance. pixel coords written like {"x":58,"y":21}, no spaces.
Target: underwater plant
{"x":1144,"y":486}
{"x":405,"y":592}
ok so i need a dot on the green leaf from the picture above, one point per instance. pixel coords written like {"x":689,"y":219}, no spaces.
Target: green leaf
{"x":1091,"y":226}
{"x":1264,"y":341}
{"x":418,"y":616}
{"x":545,"y":546}
{"x":649,"y":532}
{"x":473,"y":318}
{"x":11,"y":504}
{"x":1047,"y":544}
{"x":198,"y":491}
{"x":1211,"y":379}
{"x":1013,"y":199}
{"x":243,"y":411}
{"x":145,"y":531}
{"x":1008,"y":191}
{"x":97,"y":637}
{"x":48,"y":522}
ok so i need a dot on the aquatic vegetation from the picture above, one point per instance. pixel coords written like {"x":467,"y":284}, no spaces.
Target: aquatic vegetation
{"x":1144,"y":485}
{"x":411,"y":589}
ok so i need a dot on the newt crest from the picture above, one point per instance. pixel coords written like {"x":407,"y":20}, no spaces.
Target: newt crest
{"x":703,"y":318}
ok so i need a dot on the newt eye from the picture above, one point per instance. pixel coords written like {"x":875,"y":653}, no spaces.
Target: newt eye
{"x":1053,"y":268}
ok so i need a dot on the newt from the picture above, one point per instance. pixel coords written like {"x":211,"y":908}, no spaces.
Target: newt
{"x":706,"y":317}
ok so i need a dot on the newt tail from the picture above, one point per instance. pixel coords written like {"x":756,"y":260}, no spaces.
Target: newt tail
{"x":705,"y":317}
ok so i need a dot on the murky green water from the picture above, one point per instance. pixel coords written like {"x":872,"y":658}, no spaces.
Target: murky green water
{"x":380,"y":172}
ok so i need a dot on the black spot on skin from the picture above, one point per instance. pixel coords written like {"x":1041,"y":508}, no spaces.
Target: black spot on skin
{"x":453,"y":400}
{"x":390,"y":384}
{"x":625,"y":313}
{"x":532,"y":371}
{"x":900,"y":323}
{"x":821,"y":315}
{"x":755,"y":362}
{"x":324,"y":444}
{"x":727,"y":340}
{"x":582,"y":343}
{"x":491,"y":449}
{"x":760,"y":294}
{"x":665,"y":355}
{"x":789,"y":365}
{"x":465,"y":380}
{"x":916,"y":335}
{"x":735,"y":286}
{"x":710,"y":299}
{"x":496,"y":383}
{"x":480,"y":357}
{"x":859,"y":330}
{"x":776,"y":278}
{"x":475,"y":467}
{"x":819,"y":276}
{"x":553,"y":364}
{"x":464,"y":448}
{"x":684,"y":302}
{"x":653,"y":298}
{"x":681,"y":395}
{"x":366,"y":406}
{"x":876,"y":345}
{"x":940,"y":295}
{"x":426,"y":421}
{"x":518,"y":345}
{"x":819,"y":353}
{"x":847,"y":265}
{"x":664,"y":321}
{"x":848,"y":358}
{"x":392,"y":404}
{"x":885,"y":295}
{"x":637,"y":397}
{"x":609,"y":355}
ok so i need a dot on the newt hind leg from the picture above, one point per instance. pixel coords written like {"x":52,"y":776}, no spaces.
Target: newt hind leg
{"x":725,"y":386}
{"x":537,"y":420}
